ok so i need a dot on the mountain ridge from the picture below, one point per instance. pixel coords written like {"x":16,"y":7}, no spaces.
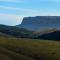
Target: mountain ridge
{"x":40,"y":22}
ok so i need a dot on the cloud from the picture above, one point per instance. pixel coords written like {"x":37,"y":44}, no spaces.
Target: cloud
{"x":25,"y":1}
{"x":15,"y":8}
{"x":30,"y":12}
{"x":19,"y":11}
{"x":40,"y":1}
{"x":48,"y":0}
{"x":9,"y":8}
{"x":16,"y":1}
{"x":10,"y":19}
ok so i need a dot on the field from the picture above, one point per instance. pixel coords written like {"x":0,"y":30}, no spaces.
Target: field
{"x":28,"y":49}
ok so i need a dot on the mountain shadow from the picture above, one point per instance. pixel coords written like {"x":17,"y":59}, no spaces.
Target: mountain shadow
{"x":50,"y":36}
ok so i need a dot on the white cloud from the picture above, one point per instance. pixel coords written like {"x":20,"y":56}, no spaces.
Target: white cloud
{"x":16,"y":1}
{"x":9,"y":8}
{"x":15,"y":8}
{"x":40,"y":0}
{"x":24,"y":1}
{"x":48,"y":0}
{"x":30,"y":12}
{"x":10,"y":19}
{"x":20,"y":11}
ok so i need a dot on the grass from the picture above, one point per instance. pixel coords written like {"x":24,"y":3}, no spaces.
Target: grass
{"x":28,"y":49}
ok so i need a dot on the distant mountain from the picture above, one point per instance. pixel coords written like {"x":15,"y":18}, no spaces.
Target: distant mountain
{"x":40,"y":22}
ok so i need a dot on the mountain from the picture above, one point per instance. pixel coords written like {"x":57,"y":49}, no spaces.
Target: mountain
{"x":40,"y":22}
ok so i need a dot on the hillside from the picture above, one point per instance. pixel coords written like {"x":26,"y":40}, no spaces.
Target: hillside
{"x":13,"y":31}
{"x":55,"y":35}
{"x":29,"y":45}
{"x":28,"y":49}
{"x":40,"y":22}
{"x":5,"y":35}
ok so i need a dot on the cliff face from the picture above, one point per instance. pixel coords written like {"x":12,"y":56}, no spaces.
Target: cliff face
{"x":40,"y":22}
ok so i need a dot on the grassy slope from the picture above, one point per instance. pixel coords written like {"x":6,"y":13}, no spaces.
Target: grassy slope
{"x":27,"y":49}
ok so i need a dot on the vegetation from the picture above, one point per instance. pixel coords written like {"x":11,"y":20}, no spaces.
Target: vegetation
{"x":28,"y":49}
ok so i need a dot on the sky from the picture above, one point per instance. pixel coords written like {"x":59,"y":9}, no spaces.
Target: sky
{"x":13,"y":11}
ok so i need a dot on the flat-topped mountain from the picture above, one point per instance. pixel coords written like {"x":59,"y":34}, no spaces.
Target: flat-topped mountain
{"x":40,"y":22}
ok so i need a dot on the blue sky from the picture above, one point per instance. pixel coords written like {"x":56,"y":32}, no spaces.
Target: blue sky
{"x":13,"y":11}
